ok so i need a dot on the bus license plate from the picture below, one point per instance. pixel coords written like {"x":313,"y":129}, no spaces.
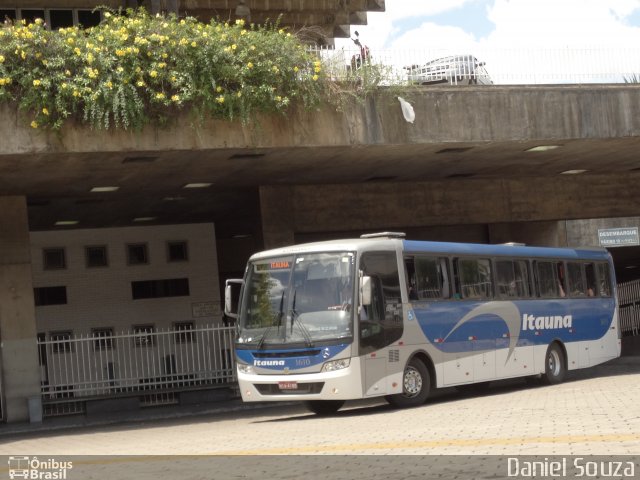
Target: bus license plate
{"x":288,"y":385}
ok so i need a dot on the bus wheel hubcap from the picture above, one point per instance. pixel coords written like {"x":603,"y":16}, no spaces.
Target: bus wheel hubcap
{"x":412,"y":382}
{"x":554,"y":363}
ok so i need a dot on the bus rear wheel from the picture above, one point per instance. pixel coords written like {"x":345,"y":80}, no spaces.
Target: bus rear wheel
{"x":416,"y":385}
{"x":324,"y":407}
{"x":554,"y":365}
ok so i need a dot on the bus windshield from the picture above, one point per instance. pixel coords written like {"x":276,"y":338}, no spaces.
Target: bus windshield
{"x":299,"y":299}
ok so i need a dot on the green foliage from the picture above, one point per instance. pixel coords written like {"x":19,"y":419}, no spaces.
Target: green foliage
{"x":137,"y":69}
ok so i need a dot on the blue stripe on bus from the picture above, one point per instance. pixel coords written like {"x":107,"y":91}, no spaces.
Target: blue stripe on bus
{"x":589,"y":319}
{"x":304,"y":360}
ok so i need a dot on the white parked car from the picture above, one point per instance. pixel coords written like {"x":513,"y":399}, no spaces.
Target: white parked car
{"x":455,"y":70}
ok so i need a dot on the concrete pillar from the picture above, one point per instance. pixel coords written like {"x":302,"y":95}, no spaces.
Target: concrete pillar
{"x":539,"y":234}
{"x":278,"y":216}
{"x":19,"y":353}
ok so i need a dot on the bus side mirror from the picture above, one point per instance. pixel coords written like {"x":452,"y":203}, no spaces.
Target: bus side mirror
{"x":232,"y":297}
{"x":365,"y":290}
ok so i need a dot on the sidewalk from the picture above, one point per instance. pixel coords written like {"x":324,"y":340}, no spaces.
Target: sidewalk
{"x":619,"y":366}
{"x":138,"y":416}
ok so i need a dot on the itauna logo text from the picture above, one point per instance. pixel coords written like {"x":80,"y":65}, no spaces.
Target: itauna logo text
{"x":268,"y":363}
{"x":531,"y":322}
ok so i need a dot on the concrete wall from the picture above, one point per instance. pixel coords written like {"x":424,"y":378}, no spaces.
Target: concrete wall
{"x":499,"y":113}
{"x":101,"y":296}
{"x":508,"y":204}
{"x":20,"y":371}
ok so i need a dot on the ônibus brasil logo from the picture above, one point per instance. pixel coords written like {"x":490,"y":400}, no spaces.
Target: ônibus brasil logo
{"x":33,"y":468}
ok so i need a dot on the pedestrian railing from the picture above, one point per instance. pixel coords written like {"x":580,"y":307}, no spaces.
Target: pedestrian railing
{"x":630,"y":320}
{"x":629,"y":301}
{"x":570,"y":65}
{"x":135,"y":363}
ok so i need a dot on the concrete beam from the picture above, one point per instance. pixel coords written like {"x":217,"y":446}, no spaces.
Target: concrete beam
{"x":472,"y":115}
{"x":89,"y":4}
{"x":288,"y":5}
{"x":20,"y":369}
{"x":380,"y":206}
{"x":548,"y":234}
{"x":298,"y":19}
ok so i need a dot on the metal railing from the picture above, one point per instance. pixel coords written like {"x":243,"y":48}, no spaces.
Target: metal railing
{"x":630,"y":320}
{"x":570,"y":65}
{"x":136,"y":363}
{"x":629,"y":301}
{"x":629,"y":292}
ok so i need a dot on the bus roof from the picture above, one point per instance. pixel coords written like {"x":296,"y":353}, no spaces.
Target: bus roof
{"x":442,"y":248}
{"x":590,"y":253}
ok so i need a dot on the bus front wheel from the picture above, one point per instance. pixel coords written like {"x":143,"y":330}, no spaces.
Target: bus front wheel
{"x":416,"y":384}
{"x":554,"y":365}
{"x":324,"y":407}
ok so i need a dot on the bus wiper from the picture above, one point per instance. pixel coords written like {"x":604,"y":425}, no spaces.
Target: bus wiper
{"x":294,"y":319}
{"x":278,"y":321}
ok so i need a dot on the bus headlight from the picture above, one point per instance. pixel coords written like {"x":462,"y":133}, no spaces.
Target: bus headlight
{"x":334,"y":365}
{"x":245,"y":368}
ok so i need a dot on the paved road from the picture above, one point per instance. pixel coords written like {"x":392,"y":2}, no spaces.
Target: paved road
{"x":595,"y":412}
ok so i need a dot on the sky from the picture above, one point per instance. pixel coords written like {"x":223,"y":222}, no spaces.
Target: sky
{"x":481,"y":27}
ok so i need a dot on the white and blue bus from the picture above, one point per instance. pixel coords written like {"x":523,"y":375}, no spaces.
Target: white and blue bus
{"x":383,"y":316}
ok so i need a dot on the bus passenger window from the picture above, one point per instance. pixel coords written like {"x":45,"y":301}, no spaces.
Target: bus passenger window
{"x":427,"y":278}
{"x":604,"y":279}
{"x":590,"y":274}
{"x":474,"y":278}
{"x":513,"y":279}
{"x":409,"y":266}
{"x":506,"y":279}
{"x":550,"y":276}
{"x":575,"y":280}
{"x":523,"y":288}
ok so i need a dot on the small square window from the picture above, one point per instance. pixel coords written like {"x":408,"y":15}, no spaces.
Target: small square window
{"x":30,"y":15}
{"x":61,"y":342}
{"x":7,"y":14}
{"x":60,"y":18}
{"x":88,"y":18}
{"x":184,"y":332}
{"x":96,"y":256}
{"x":44,"y":296}
{"x":177,"y":251}
{"x":144,"y":335}
{"x":137,"y":254}
{"x":54,"y":259}
{"x":103,"y":338}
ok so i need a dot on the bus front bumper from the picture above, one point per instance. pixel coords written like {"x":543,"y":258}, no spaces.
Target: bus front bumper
{"x":342,"y":384}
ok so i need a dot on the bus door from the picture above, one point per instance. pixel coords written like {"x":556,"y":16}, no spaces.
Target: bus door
{"x":380,"y":323}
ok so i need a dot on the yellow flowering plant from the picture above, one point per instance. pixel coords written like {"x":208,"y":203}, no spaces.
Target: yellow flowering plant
{"x":137,"y":69}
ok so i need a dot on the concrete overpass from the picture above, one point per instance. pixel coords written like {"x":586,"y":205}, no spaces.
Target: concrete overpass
{"x":322,"y":20}
{"x":467,"y":159}
{"x":467,"y":169}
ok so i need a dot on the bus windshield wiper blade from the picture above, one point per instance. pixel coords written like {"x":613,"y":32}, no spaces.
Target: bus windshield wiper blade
{"x":278,"y":321}
{"x":303,"y":329}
